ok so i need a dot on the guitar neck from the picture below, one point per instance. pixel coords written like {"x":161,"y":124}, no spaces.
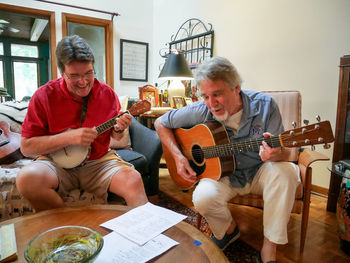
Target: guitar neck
{"x":230,"y":149}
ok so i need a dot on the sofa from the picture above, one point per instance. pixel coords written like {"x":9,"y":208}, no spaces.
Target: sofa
{"x":141,"y":147}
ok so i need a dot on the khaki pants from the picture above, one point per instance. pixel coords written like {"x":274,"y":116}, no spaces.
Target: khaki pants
{"x":276,"y":181}
{"x":93,"y":177}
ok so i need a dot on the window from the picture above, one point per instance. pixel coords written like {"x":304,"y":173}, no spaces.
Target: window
{"x":25,"y":78}
{"x":24,"y":69}
{"x":24,"y":50}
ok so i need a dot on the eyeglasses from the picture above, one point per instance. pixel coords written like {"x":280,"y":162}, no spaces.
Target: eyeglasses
{"x":77,"y":77}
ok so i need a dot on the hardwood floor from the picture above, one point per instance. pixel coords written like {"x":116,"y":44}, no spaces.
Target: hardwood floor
{"x":322,"y":242}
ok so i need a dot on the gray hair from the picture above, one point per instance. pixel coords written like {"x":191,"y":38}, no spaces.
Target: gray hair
{"x":73,"y":48}
{"x":219,"y":68}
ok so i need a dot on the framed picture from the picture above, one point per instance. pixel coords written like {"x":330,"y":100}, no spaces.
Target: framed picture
{"x":150,"y":93}
{"x":133,"y":60}
{"x":188,"y":101}
{"x":179,"y":102}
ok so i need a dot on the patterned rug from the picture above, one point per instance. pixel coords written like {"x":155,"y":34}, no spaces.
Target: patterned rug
{"x":236,"y":252}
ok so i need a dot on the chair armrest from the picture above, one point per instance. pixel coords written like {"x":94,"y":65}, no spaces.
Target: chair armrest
{"x":306,"y":158}
{"x":145,"y":141}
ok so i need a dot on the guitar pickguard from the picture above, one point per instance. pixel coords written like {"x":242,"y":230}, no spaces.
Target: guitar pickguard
{"x":199,"y":169}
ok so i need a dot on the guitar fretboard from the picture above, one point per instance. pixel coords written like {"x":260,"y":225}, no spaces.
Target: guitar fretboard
{"x":230,"y":149}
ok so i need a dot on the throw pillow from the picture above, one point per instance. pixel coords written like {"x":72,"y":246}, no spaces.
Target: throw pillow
{"x":14,"y":113}
{"x":123,"y":143}
{"x":123,"y":102}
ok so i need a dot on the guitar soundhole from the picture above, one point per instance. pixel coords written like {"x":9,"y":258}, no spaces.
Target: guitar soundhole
{"x":197,"y":164}
{"x":197,"y":154}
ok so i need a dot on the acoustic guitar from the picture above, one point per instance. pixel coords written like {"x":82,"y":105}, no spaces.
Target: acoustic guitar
{"x":211,"y":154}
{"x":73,"y":155}
{"x":9,"y":144}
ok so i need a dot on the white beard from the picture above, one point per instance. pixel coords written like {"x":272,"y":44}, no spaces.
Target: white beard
{"x":222,"y":117}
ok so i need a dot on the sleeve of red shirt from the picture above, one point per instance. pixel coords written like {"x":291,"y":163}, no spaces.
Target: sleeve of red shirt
{"x":35,"y":122}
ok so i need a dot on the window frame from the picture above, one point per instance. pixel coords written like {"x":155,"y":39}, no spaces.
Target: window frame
{"x":50,"y":16}
{"x":93,"y":21}
{"x":8,"y":66}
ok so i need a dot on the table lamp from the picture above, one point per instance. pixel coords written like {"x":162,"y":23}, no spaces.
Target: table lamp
{"x":176,"y":69}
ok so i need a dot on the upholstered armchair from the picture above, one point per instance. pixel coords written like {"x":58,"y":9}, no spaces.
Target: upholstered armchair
{"x":289,"y":103}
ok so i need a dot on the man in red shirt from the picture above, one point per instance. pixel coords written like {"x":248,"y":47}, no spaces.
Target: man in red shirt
{"x":66,"y":112}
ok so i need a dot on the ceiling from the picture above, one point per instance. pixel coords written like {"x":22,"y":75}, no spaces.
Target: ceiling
{"x":23,"y":23}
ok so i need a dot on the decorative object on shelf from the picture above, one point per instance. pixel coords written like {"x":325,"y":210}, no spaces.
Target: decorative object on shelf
{"x":178,"y":102}
{"x":188,"y":101}
{"x":342,"y":170}
{"x":150,"y":93}
{"x":133,"y":60}
{"x":176,"y":69}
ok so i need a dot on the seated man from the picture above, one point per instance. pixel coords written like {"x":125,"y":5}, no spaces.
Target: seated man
{"x":66,"y":112}
{"x":245,"y":115}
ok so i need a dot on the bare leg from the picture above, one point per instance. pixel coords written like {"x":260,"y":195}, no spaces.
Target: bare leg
{"x":128,"y":184}
{"x":268,"y":251}
{"x":38,"y":183}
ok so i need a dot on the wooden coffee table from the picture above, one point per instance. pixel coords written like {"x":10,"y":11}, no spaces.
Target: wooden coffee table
{"x":26,"y":227}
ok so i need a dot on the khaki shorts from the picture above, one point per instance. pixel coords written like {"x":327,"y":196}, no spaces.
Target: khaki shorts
{"x":93,"y":176}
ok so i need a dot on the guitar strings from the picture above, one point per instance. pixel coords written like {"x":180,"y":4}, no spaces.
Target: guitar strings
{"x":251,"y":145}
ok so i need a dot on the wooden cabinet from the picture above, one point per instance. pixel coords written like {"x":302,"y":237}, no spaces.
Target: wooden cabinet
{"x":342,"y":130}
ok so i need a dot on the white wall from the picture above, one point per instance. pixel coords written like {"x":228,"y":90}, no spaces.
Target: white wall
{"x":134,"y":23}
{"x":275,"y":44}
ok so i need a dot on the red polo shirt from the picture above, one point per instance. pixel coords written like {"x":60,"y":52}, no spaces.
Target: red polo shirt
{"x":53,"y":110}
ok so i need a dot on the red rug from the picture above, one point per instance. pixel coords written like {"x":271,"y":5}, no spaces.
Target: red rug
{"x":238,"y":251}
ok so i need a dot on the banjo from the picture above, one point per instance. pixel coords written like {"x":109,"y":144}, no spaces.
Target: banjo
{"x":73,"y":155}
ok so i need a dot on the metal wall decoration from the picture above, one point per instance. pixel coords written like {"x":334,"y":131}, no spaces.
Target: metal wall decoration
{"x":195,"y":40}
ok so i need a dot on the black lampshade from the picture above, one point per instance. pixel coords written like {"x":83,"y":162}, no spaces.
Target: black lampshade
{"x":176,"y":67}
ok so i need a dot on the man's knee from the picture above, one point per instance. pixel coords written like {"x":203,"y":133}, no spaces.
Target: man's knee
{"x":132,"y":178}
{"x":33,"y":177}
{"x":204,"y":196}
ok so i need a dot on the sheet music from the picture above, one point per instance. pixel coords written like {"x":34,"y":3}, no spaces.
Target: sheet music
{"x":134,"y":61}
{"x":144,"y":223}
{"x":117,"y":248}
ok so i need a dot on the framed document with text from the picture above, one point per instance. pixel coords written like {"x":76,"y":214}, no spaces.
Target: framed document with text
{"x":133,"y":60}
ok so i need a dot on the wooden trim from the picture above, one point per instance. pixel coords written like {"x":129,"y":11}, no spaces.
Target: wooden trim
{"x":319,"y":190}
{"x":93,"y":21}
{"x":43,"y":13}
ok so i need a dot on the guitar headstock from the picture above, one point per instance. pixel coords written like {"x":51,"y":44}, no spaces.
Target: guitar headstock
{"x":140,"y":107}
{"x":317,"y":133}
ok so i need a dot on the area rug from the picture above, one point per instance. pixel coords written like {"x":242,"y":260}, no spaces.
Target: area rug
{"x":238,"y":251}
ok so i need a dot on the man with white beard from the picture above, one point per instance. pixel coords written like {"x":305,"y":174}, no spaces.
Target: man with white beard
{"x":245,"y":115}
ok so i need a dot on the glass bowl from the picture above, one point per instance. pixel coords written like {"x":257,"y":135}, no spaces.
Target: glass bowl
{"x":65,"y":244}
